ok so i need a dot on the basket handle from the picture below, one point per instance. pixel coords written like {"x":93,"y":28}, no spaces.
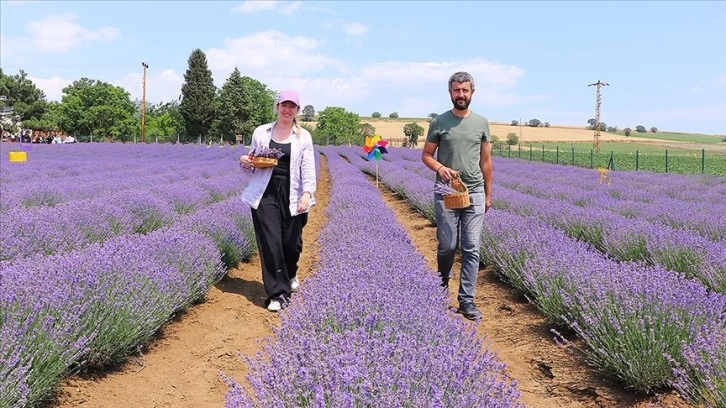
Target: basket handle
{"x":457,"y":185}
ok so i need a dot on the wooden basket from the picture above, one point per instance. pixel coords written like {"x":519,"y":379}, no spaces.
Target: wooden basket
{"x":264,"y":162}
{"x":459,"y":199}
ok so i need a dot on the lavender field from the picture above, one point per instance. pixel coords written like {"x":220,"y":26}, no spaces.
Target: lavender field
{"x":102,"y":243}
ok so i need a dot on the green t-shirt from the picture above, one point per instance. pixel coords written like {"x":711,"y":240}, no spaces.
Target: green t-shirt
{"x":459,"y":144}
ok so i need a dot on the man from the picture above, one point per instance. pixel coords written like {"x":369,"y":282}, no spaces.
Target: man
{"x":462,"y":140}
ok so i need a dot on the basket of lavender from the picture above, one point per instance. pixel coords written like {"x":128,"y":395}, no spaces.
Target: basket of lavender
{"x":455,"y":193}
{"x":267,"y":157}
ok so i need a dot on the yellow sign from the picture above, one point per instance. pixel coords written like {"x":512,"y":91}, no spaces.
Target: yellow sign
{"x":18,"y":156}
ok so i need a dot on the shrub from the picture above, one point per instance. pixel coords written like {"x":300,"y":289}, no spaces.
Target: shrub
{"x":376,"y":115}
{"x":512,"y":139}
{"x":393,"y":115}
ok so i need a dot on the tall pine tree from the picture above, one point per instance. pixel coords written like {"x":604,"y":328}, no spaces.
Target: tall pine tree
{"x":198,"y":105}
{"x":244,"y":104}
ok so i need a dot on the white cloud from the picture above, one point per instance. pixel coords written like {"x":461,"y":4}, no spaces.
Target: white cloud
{"x":486,"y":74}
{"x":57,"y":33}
{"x":255,"y":6}
{"x":162,"y":87}
{"x":270,"y":52}
{"x":355,"y":29}
{"x":721,"y":80}
{"x":52,"y":87}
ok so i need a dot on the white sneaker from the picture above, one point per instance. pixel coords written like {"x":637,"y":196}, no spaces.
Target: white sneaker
{"x":274,"y":306}
{"x":294,"y":284}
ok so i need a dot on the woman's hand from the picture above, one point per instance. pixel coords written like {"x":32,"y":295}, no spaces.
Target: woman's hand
{"x":304,"y":203}
{"x":245,"y":162}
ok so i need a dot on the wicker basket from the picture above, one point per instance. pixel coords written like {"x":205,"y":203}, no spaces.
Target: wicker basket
{"x":264,"y":162}
{"x":459,"y":199}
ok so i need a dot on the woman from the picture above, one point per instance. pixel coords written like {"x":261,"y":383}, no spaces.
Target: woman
{"x":280,"y":198}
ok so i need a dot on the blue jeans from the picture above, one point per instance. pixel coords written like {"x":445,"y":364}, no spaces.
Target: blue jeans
{"x":465,"y":224}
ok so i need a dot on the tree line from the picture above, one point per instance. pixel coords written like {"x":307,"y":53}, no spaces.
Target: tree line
{"x":94,"y":110}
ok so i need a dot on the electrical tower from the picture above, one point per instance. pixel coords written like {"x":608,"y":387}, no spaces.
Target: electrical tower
{"x":143,"y":104}
{"x":596,"y":143}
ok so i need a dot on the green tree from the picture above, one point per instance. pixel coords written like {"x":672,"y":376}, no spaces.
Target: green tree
{"x":20,"y":94}
{"x":308,"y":113}
{"x":376,"y":115}
{"x":411,"y":131}
{"x":627,"y":131}
{"x":640,"y":129}
{"x":366,"y":129}
{"x":515,"y":123}
{"x":98,"y":109}
{"x":164,"y":122}
{"x":535,"y":123}
{"x":50,"y":120}
{"x":393,"y":115}
{"x":337,"y":126}
{"x":512,"y":139}
{"x":654,"y":129}
{"x":198,"y":97}
{"x":244,"y":103}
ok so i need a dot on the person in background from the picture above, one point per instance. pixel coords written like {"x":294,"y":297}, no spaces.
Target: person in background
{"x":280,"y":198}
{"x":460,"y":141}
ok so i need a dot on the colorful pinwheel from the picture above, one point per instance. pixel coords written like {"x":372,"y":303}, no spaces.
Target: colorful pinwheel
{"x":375,"y":146}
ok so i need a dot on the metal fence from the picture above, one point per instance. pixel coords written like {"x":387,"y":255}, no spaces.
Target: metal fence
{"x":680,"y":162}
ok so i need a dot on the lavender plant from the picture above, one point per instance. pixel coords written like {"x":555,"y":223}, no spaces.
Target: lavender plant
{"x":369,"y":353}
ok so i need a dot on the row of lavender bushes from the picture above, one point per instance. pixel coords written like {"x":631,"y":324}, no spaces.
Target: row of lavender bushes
{"x":624,"y":238}
{"x":690,"y":204}
{"x":370,"y":328}
{"x":94,"y":304}
{"x":67,"y":222}
{"x":80,"y":172}
{"x":647,"y":326}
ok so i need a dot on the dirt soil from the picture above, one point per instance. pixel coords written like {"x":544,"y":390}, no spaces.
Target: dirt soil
{"x":181,"y":366}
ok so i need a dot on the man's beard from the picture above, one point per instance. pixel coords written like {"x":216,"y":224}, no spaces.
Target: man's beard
{"x":463,"y":107}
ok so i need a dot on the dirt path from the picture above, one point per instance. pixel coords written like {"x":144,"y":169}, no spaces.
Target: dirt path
{"x":180,"y":368}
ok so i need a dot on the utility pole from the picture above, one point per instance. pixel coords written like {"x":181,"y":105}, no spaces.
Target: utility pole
{"x":143,"y":104}
{"x":596,"y":143}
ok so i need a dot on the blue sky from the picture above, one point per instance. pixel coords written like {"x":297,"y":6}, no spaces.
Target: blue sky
{"x":665,"y":61}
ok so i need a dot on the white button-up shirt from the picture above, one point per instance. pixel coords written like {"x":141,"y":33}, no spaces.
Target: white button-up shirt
{"x":302,"y":167}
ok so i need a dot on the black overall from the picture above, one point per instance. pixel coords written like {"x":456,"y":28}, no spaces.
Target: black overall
{"x":278,"y":234}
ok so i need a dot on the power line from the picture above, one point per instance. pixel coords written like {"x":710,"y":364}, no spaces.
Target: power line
{"x":596,"y":142}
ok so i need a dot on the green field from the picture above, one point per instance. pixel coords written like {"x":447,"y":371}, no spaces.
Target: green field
{"x":671,"y":136}
{"x":622,"y":156}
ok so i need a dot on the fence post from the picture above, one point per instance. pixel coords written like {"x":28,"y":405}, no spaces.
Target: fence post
{"x":530,"y":152}
{"x":509,"y":150}
{"x":573,"y":155}
{"x":557,"y":156}
{"x":703,"y":160}
{"x":592,"y":159}
{"x":519,"y":146}
{"x":542,"y":153}
{"x":666,"y":169}
{"x":636,"y":160}
{"x":612,"y":161}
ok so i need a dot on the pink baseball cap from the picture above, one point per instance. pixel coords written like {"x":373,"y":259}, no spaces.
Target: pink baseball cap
{"x":290,"y":96}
